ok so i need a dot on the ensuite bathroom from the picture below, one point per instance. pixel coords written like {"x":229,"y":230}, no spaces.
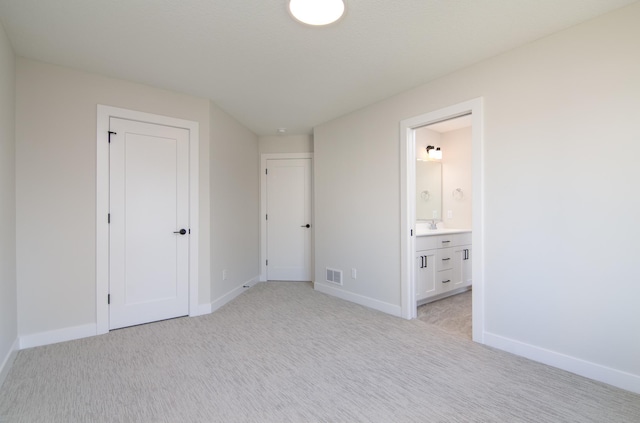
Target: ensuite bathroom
{"x":443,"y":224}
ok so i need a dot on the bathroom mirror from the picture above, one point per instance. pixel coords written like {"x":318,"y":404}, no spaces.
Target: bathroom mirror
{"x":428,"y":190}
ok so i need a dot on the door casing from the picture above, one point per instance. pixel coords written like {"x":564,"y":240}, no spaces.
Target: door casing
{"x":104,"y":113}
{"x":408,"y":205}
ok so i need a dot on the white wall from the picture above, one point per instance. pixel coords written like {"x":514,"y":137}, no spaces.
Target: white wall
{"x":456,"y":173}
{"x":286,"y":144}
{"x":56,"y":187}
{"x":235,"y":184}
{"x":561,"y":273}
{"x":8,"y":295}
{"x":357,"y":203}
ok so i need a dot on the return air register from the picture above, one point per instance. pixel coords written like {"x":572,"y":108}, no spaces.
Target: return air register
{"x":334,"y":276}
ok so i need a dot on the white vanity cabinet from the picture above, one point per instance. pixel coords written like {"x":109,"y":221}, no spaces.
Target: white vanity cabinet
{"x":451,"y":254}
{"x":425,"y":268}
{"x":462,"y":267}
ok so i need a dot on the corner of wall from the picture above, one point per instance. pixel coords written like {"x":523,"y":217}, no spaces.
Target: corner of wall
{"x":234,"y":205}
{"x":8,"y":274}
{"x":7,"y":363}
{"x":234,"y":293}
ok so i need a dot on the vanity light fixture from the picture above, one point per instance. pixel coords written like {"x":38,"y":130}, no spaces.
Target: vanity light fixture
{"x":434,"y":153}
{"x":316,"y":12}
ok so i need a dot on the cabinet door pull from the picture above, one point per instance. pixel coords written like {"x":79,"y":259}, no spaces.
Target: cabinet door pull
{"x":445,"y":259}
{"x":466,"y":254}
{"x":447,"y":281}
{"x":444,"y":242}
{"x":426,"y":262}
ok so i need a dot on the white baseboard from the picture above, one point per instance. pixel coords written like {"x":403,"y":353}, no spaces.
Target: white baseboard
{"x":58,"y":335}
{"x":594,"y":371}
{"x":394,"y":310}
{"x":7,"y":362}
{"x":216,"y":304}
{"x":84,"y":331}
{"x":201,"y":309}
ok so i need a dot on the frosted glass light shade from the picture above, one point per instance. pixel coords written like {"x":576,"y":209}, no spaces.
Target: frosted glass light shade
{"x":435,"y":154}
{"x":316,"y":12}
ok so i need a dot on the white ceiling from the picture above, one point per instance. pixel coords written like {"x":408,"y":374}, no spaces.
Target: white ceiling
{"x":269,"y":71}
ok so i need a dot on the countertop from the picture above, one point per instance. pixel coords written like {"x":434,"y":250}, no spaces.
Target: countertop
{"x":446,"y":231}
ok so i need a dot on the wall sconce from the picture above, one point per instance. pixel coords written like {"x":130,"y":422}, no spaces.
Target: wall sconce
{"x":434,"y":153}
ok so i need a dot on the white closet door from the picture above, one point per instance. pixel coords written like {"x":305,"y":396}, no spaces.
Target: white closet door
{"x":149,"y":206}
{"x":289,"y":219}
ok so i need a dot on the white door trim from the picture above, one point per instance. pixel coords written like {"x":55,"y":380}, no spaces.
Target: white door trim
{"x":102,"y":204}
{"x":263,"y":206}
{"x":408,"y":205}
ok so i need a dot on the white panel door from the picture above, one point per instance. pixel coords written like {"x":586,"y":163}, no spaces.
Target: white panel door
{"x":149,"y":206}
{"x":289,"y":219}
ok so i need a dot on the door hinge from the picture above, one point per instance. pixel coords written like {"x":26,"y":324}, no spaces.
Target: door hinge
{"x":189,"y":231}
{"x":108,"y":298}
{"x":411,"y":232}
{"x":266,"y":171}
{"x":108,"y":217}
{"x":266,"y":217}
{"x":267,"y":263}
{"x":111,"y":132}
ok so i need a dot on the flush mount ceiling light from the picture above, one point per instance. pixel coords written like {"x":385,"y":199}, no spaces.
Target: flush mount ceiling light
{"x":316,"y":12}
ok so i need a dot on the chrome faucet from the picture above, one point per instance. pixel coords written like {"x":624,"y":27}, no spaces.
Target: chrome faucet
{"x":433,"y":225}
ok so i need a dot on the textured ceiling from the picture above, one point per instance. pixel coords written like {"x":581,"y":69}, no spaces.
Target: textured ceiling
{"x":269,"y":71}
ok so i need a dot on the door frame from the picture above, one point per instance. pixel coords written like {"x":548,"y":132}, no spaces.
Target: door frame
{"x":104,"y":113}
{"x":408,"y":206}
{"x":263,"y":207}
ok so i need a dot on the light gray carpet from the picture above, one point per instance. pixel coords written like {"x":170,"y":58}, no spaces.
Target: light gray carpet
{"x":452,"y":314}
{"x":282,"y":352}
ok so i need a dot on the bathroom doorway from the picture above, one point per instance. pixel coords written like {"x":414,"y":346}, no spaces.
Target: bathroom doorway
{"x":447,"y":212}
{"x":444,"y":209}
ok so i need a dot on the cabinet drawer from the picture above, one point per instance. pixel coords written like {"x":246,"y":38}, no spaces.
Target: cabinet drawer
{"x":444,"y":241}
{"x":453,"y":240}
{"x":426,"y":243}
{"x":445,"y":258}
{"x":444,"y":280}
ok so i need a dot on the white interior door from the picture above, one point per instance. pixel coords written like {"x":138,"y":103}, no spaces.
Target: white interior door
{"x":149,"y":206}
{"x":288,"y":219}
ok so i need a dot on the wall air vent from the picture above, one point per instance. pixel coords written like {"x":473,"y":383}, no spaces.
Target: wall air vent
{"x":334,"y":276}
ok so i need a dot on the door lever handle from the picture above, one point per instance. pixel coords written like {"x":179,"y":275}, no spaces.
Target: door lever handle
{"x":305,"y":226}
{"x":181,"y":232}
